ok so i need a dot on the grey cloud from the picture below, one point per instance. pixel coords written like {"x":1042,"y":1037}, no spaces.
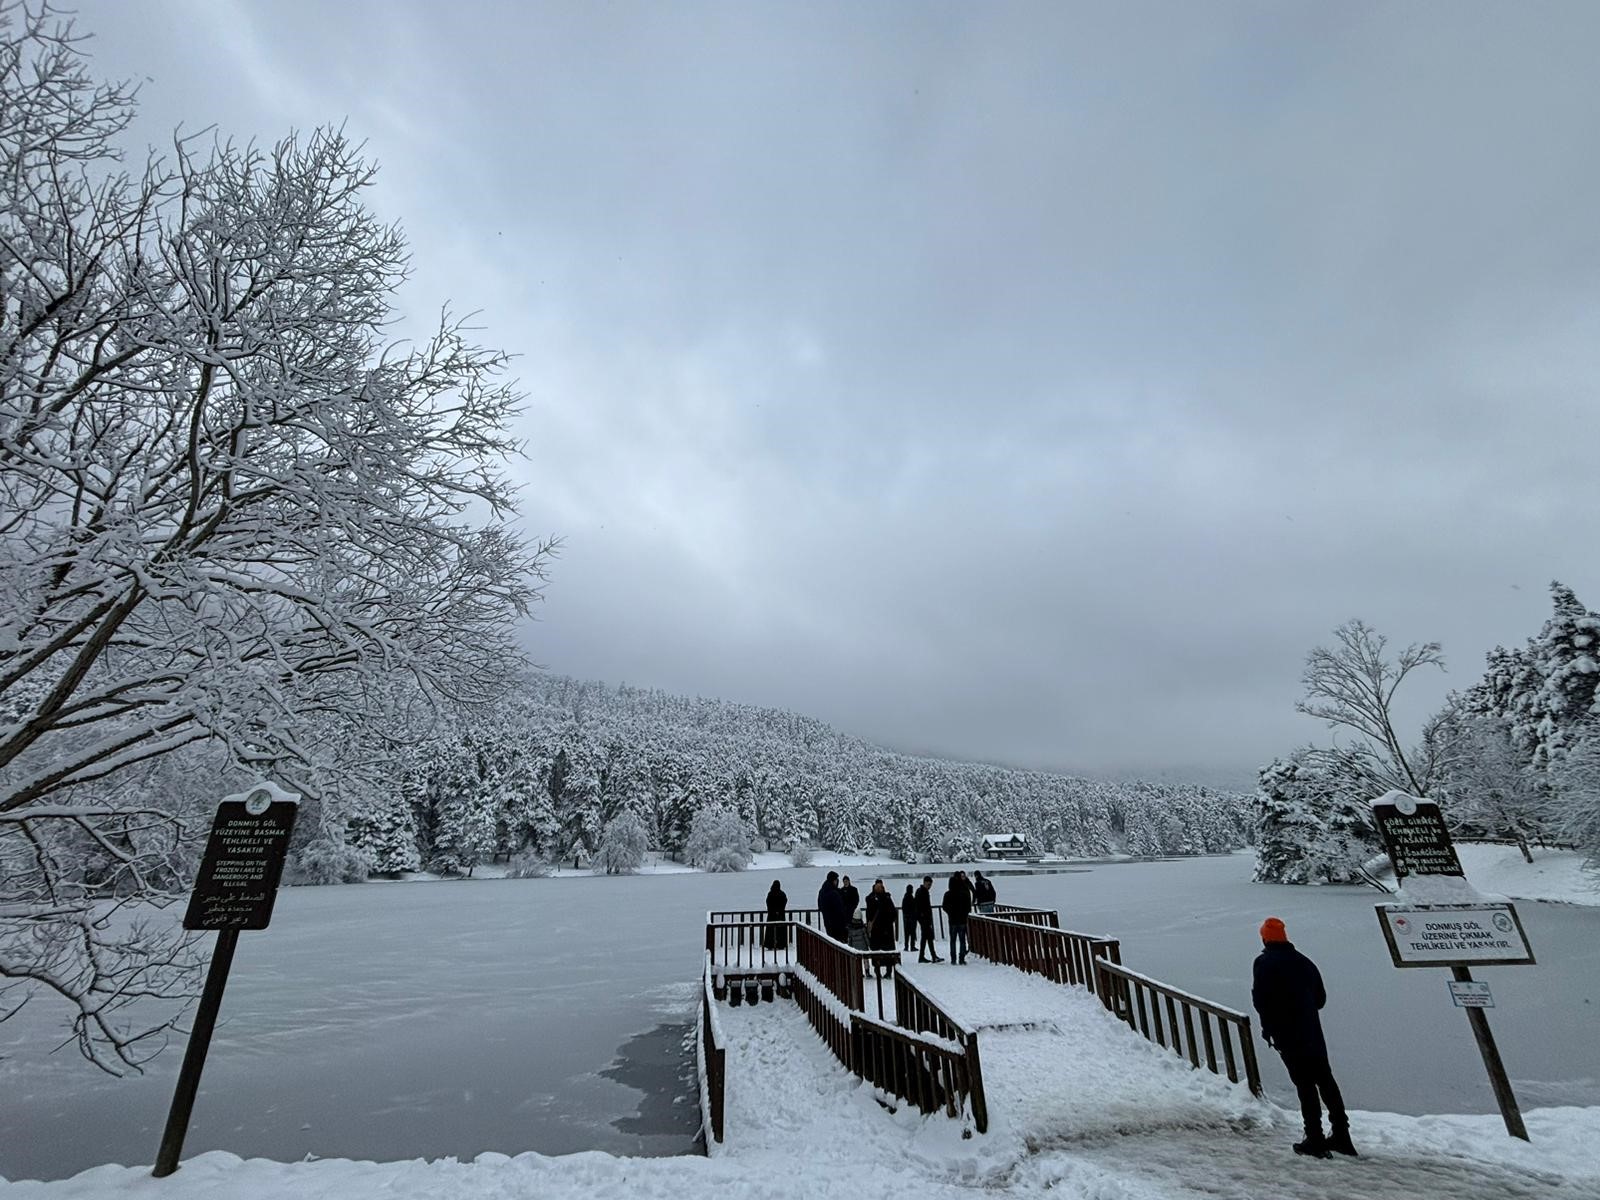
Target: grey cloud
{"x":1034,"y":382}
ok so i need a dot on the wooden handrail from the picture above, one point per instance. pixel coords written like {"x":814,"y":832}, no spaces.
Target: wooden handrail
{"x":1028,"y":916}
{"x":842,"y":969}
{"x":1062,"y":955}
{"x":914,"y":1009}
{"x":1138,"y":1000}
{"x":713,"y":1059}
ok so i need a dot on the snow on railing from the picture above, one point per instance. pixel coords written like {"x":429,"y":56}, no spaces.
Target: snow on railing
{"x":713,"y":1064}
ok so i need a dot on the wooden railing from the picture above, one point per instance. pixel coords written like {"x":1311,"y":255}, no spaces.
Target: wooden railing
{"x":1057,"y":954}
{"x":915,"y":1010}
{"x":934,"y":1075}
{"x":1028,"y":916}
{"x":745,"y":943}
{"x":713,"y":1060}
{"x":843,"y":971}
{"x":758,"y":916}
{"x":827,"y":1016}
{"x":1139,"y":1000}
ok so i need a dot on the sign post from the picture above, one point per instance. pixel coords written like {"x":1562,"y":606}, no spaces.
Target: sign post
{"x":234,"y":890}
{"x":1451,"y":925}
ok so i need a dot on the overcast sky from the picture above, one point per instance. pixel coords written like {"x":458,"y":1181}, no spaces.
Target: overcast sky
{"x":1035,"y":383}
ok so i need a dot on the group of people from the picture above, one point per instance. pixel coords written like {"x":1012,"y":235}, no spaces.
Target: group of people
{"x":883,"y":922}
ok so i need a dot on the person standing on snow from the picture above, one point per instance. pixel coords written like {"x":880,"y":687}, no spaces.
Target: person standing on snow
{"x":776,"y":934}
{"x":982,"y":893}
{"x":850,"y":898}
{"x":908,"y":907}
{"x":924,"y":911}
{"x":1288,"y":993}
{"x":831,"y":908}
{"x":957,"y":905}
{"x":881,"y":916}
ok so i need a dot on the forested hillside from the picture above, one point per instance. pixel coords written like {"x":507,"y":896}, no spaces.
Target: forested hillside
{"x":552,"y":765}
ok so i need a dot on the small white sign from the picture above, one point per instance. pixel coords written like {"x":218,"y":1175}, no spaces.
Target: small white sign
{"x":1437,"y":935}
{"x":1471,"y":993}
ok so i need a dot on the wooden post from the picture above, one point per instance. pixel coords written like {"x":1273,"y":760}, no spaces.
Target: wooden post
{"x":194,"y":1056}
{"x":1491,"y":1059}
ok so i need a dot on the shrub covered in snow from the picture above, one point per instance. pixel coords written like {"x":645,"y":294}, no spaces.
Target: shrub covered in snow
{"x":530,"y":864}
{"x":801,"y":854}
{"x":718,"y":841}
{"x":329,"y":860}
{"x":623,"y":846}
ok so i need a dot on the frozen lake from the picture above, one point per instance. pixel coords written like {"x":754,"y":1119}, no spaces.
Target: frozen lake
{"x":428,"y":1019}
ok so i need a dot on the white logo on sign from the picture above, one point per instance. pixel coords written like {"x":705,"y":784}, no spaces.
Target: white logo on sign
{"x":257,"y":802}
{"x":1406,"y":805}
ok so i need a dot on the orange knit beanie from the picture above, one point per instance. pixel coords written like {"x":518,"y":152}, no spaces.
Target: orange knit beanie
{"x":1272,"y":930}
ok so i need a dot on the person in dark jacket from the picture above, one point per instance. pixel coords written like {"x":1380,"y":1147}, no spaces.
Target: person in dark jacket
{"x":850,"y":898}
{"x":776,"y":936}
{"x":1288,"y":993}
{"x":982,"y":893}
{"x":908,"y":907}
{"x":957,"y":905}
{"x":831,"y":908}
{"x":881,"y":923}
{"x":924,"y":910}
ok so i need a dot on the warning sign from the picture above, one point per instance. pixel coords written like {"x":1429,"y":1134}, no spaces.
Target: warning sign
{"x":1416,"y":838}
{"x":238,"y":878}
{"x":1443,"y":935}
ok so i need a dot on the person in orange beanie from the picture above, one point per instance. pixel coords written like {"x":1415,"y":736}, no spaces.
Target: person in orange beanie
{"x":1288,"y":994}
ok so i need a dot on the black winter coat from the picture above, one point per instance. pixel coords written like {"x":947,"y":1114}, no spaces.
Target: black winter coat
{"x":983,"y":892}
{"x":832,"y":909}
{"x":1287,"y":993}
{"x":922,"y":906}
{"x":957,"y":903}
{"x":849,"y":901}
{"x":880,"y":921}
{"x":777,"y":904}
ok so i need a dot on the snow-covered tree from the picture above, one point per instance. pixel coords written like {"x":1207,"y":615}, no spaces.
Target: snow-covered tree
{"x":1575,"y":779}
{"x":229,"y":508}
{"x":1314,"y":822}
{"x":623,"y":845}
{"x":1352,"y":685}
{"x":718,"y":841}
{"x":1487,"y":786}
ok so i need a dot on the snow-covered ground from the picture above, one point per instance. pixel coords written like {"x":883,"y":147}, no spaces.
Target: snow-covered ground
{"x":1554,"y":875}
{"x":396,"y":1022}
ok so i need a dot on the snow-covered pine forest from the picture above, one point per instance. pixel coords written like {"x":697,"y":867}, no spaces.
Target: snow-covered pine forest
{"x":1515,"y":756}
{"x":548,"y":769}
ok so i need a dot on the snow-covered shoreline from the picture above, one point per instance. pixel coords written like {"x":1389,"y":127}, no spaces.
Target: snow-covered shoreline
{"x":1560,"y":1156}
{"x":1554,"y":876}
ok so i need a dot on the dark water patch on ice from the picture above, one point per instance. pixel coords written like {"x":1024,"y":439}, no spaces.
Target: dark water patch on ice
{"x":660,"y":1063}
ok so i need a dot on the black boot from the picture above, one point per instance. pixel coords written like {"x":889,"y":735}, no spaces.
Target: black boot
{"x":1339,"y":1142}
{"x":1313,"y":1147}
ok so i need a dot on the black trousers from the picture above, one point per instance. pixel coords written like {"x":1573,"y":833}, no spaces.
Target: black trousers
{"x":1311,"y":1075}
